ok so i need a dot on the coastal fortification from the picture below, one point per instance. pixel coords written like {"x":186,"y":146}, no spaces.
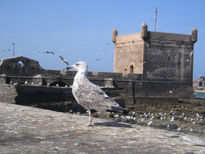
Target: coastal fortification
{"x":146,"y":64}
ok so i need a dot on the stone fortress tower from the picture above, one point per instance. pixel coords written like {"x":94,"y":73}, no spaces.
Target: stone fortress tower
{"x":155,"y":55}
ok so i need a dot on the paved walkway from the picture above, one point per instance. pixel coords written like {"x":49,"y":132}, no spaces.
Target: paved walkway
{"x":32,"y":130}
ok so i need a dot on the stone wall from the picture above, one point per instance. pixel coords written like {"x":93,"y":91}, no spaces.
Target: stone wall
{"x":8,"y":93}
{"x":53,"y":86}
{"x":128,"y":54}
{"x":20,"y":66}
{"x":125,"y":91}
{"x":168,"y":57}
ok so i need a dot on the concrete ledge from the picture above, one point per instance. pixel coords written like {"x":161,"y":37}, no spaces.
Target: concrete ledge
{"x":31,"y":130}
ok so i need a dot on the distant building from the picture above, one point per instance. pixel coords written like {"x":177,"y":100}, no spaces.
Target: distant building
{"x":199,"y":84}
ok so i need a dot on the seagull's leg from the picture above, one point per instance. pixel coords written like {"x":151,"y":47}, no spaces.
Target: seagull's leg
{"x":90,"y":118}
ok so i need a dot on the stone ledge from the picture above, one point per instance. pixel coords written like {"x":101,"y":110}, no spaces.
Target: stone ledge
{"x":32,"y":130}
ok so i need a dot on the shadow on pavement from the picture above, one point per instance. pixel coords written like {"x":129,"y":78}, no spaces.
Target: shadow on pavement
{"x":113,"y":124}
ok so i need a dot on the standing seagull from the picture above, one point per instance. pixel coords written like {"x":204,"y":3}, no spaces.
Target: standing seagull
{"x":89,"y":95}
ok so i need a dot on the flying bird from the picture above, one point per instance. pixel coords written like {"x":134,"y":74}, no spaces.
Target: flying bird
{"x":64,"y":60}
{"x":97,"y":59}
{"x":49,"y":52}
{"x":89,"y":95}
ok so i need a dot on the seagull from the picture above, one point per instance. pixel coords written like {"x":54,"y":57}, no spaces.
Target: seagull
{"x":178,"y":129}
{"x":149,"y":123}
{"x":172,"y":119}
{"x":49,"y":52}
{"x":64,"y":60}
{"x":89,"y":95}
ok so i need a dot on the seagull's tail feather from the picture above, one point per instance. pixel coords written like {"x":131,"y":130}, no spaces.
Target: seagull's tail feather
{"x":118,"y":109}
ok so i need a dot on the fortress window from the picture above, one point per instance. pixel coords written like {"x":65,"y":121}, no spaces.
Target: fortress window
{"x":131,"y":69}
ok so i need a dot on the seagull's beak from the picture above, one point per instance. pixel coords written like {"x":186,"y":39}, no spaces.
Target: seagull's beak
{"x":69,"y":67}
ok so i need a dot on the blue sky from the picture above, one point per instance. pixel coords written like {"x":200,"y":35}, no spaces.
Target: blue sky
{"x":82,"y":29}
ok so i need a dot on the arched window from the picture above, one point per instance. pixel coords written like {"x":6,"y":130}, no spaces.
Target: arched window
{"x":131,"y":69}
{"x":20,"y":63}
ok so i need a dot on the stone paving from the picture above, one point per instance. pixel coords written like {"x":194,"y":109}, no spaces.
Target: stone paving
{"x":32,"y":130}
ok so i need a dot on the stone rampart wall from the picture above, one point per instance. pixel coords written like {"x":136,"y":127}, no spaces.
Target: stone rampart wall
{"x":29,"y":87}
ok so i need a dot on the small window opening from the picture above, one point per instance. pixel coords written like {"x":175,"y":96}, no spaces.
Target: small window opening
{"x":20,"y":63}
{"x":131,"y":69}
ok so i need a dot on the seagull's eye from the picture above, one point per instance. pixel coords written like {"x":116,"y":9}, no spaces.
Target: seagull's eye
{"x":77,"y":64}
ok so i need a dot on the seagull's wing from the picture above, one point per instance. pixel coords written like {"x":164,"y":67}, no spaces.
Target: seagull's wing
{"x":66,"y":62}
{"x":52,"y":52}
{"x":92,"y":97}
{"x":61,"y":58}
{"x":49,"y":52}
